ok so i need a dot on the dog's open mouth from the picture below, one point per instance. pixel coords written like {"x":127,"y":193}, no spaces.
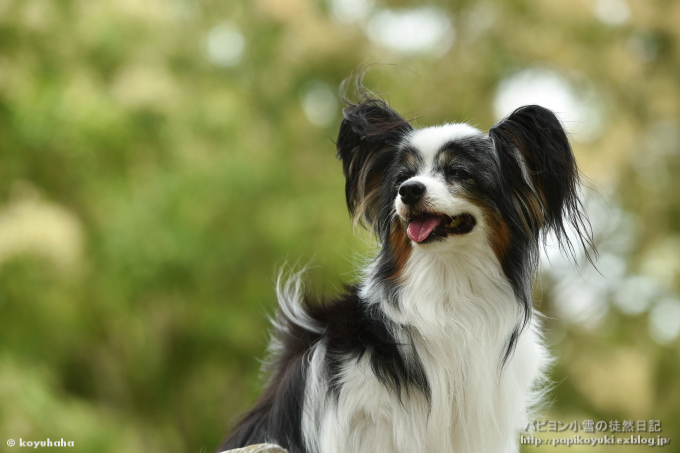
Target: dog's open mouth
{"x":429,"y":227}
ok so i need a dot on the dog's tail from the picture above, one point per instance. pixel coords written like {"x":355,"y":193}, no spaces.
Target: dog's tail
{"x":294,"y":330}
{"x":291,"y":295}
{"x":277,"y":415}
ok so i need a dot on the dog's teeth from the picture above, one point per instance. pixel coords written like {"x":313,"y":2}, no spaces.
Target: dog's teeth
{"x":455,"y":222}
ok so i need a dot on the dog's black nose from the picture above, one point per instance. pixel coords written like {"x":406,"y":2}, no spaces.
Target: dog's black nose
{"x":411,"y":192}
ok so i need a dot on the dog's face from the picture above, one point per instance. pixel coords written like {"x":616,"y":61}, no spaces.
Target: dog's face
{"x":442,"y":188}
{"x":445,"y":178}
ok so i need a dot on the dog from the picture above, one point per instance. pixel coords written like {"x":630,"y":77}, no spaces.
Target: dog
{"x":437,"y":348}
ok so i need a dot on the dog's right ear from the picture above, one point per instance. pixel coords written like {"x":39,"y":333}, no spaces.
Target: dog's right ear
{"x":367,"y":143}
{"x":540,"y":167}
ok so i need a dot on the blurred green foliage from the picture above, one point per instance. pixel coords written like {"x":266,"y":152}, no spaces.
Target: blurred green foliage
{"x":149,"y":192}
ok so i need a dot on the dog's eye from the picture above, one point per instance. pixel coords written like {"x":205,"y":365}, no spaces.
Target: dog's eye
{"x":401,"y":178}
{"x":458,"y":173}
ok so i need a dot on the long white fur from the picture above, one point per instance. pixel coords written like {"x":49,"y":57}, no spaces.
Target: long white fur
{"x":455,"y":312}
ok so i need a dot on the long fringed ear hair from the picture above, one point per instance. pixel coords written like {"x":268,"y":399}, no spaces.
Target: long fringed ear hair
{"x":539,"y":167}
{"x":367,"y":142}
{"x":541,"y":180}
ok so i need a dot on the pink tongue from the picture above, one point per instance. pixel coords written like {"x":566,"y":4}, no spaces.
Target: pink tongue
{"x":419,"y":230}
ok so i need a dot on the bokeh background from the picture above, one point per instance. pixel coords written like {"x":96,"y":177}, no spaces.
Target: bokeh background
{"x":161,"y":159}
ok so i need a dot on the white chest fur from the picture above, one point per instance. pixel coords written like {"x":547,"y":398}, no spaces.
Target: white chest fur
{"x":456,"y":313}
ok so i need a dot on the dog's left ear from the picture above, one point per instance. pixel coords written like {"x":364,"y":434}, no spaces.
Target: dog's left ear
{"x":367,"y":143}
{"x":539,"y":166}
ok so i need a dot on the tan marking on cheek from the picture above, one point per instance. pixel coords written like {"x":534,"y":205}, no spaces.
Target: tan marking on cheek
{"x":498,"y":231}
{"x":401,"y":248}
{"x":499,"y":235}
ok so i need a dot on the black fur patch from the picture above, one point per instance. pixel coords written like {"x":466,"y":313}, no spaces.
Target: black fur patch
{"x":352,"y":329}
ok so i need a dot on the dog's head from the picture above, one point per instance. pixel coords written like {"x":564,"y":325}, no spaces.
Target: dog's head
{"x":444,"y":187}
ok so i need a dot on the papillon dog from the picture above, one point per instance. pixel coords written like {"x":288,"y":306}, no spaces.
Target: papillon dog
{"x":437,"y":349}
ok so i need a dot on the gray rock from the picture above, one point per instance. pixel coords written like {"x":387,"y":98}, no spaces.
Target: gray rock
{"x":259,"y":448}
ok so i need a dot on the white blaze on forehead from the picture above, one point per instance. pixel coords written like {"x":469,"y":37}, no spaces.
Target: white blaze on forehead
{"x":431,"y":139}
